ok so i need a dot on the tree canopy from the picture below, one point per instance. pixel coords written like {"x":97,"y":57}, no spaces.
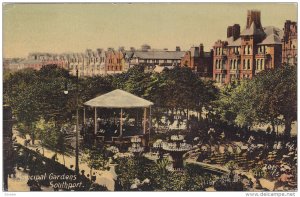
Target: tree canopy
{"x":269,"y":98}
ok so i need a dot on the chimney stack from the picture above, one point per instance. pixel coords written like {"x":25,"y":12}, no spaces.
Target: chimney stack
{"x":233,"y":31}
{"x":253,"y":16}
{"x":229,"y":31}
{"x":236,"y":30}
{"x":201,"y":50}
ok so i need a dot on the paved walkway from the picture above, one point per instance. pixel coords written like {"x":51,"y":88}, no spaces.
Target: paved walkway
{"x":105,"y":178}
{"x":210,"y":167}
{"x":19,"y":183}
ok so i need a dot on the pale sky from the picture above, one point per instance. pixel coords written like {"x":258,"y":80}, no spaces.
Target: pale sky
{"x":58,"y":28}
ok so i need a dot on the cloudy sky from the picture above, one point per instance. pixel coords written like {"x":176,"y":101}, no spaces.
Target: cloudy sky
{"x":58,"y":28}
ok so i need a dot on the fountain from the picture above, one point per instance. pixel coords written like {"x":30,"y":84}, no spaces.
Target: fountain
{"x":176,"y":147}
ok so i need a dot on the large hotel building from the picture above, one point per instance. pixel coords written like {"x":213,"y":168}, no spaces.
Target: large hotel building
{"x":256,"y":48}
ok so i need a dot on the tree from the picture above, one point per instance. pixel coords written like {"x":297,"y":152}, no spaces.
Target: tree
{"x":91,"y":87}
{"x":269,"y":98}
{"x":36,"y":95}
{"x":178,"y":89}
{"x":95,"y":158}
{"x":20,"y":92}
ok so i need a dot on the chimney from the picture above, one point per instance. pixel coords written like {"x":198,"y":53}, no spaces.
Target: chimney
{"x":145,"y":47}
{"x":253,"y":16}
{"x":236,"y":30}
{"x":195,"y":51}
{"x":99,"y":50}
{"x":201,"y":50}
{"x":121,"y":48}
{"x":229,"y":31}
{"x":178,"y":48}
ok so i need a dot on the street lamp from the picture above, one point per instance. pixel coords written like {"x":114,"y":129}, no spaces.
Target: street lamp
{"x":77,"y":123}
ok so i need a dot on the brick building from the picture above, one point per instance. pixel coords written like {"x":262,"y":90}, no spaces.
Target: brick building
{"x":90,"y":63}
{"x":246,"y":53}
{"x":290,"y":43}
{"x":102,"y":62}
{"x":198,"y":60}
{"x":115,"y":61}
{"x":150,"y":58}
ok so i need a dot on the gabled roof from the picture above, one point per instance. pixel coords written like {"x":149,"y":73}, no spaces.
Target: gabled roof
{"x":271,"y":39}
{"x":118,"y":99}
{"x":273,"y":30}
{"x":129,"y":54}
{"x":252,"y":31}
{"x":232,"y":43}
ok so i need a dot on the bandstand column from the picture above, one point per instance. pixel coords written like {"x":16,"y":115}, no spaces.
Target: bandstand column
{"x":121,"y":122}
{"x":95,"y":120}
{"x":145,"y":117}
{"x":83,"y":115}
{"x":150,"y":120}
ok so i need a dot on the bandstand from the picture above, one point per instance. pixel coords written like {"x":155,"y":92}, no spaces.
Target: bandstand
{"x":119,"y":101}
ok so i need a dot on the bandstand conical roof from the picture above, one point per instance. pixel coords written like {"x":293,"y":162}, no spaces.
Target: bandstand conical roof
{"x":118,"y":99}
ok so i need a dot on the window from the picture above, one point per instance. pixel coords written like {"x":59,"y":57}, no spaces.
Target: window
{"x":223,"y":78}
{"x":234,"y":64}
{"x":244,"y":64}
{"x":223,"y":65}
{"x":290,"y":60}
{"x":232,"y":77}
{"x":248,"y":64}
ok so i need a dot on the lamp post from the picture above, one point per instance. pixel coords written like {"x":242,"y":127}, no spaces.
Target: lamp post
{"x":77,"y":125}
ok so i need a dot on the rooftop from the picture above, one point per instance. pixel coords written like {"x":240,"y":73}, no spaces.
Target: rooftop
{"x":118,"y":99}
{"x":253,"y":30}
{"x":159,"y":54}
{"x":271,"y":39}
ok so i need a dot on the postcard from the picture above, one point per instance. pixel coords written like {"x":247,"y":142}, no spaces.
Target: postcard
{"x":150,"y":97}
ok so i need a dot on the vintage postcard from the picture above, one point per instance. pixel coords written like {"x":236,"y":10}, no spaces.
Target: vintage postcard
{"x":150,"y":97}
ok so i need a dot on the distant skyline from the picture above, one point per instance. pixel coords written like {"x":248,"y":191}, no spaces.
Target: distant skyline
{"x":58,"y":28}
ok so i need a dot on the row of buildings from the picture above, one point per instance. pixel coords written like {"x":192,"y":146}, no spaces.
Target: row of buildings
{"x":111,"y":61}
{"x":242,"y":55}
